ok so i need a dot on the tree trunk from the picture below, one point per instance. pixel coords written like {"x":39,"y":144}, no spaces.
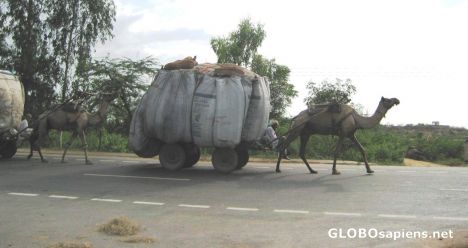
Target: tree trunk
{"x":70,"y":48}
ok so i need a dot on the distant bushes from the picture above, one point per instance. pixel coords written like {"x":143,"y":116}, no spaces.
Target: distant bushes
{"x":440,"y":148}
{"x":383,"y":145}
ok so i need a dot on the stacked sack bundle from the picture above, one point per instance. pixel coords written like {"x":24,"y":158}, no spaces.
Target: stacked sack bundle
{"x":11,"y":101}
{"x":209,"y":105}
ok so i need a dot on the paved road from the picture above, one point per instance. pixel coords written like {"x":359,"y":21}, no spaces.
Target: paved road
{"x":198,"y":207}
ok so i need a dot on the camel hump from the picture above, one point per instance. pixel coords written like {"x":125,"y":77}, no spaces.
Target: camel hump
{"x":71,"y":107}
{"x":334,"y":108}
{"x":186,"y":63}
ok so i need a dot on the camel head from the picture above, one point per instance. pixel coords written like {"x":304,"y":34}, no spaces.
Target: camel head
{"x":388,"y":103}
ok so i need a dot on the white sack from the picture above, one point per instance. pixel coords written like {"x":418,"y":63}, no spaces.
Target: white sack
{"x":258,"y":113}
{"x":11,"y":101}
{"x":167,"y":109}
{"x":143,"y":145}
{"x":190,"y":106}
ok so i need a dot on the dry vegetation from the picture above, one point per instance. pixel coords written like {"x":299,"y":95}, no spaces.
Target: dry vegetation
{"x":138,"y":239}
{"x":71,"y":245}
{"x":121,"y":226}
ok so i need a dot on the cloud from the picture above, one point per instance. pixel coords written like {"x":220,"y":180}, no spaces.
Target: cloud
{"x":451,"y":3}
{"x":175,"y":35}
{"x":137,"y":44}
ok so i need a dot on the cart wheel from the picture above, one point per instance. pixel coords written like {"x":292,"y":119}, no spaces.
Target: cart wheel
{"x":192,"y":153}
{"x":9,"y":150}
{"x":224,"y":159}
{"x":243,"y":157}
{"x":172,"y":157}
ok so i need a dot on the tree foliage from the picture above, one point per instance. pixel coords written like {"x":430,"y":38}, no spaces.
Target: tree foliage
{"x":240,"y":47}
{"x":127,"y":77}
{"x":26,"y":50}
{"x":337,"y":91}
{"x":281,"y":92}
{"x":73,"y":35}
{"x":46,"y":42}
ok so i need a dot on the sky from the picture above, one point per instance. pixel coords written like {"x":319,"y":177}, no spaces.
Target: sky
{"x":414,"y":50}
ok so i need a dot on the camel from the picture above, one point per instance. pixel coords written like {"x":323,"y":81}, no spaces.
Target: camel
{"x":76,"y":122}
{"x":332,"y":119}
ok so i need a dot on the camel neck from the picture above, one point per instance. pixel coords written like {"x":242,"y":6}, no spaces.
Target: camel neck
{"x":98,"y":117}
{"x":371,"y":121}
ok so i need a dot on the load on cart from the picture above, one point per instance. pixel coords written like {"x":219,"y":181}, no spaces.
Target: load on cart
{"x":223,"y":106}
{"x":11,"y":113}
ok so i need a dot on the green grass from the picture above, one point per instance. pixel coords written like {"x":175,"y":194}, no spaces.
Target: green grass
{"x":383,"y":145}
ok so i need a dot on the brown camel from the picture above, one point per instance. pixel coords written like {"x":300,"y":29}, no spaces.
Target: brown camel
{"x":75,"y":121}
{"x":334,"y":119}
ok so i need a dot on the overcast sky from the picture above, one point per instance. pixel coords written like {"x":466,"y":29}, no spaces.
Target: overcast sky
{"x":415,"y":50}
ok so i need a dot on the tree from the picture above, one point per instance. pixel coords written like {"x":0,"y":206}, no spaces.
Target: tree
{"x":281,"y":92}
{"x":73,"y":34}
{"x":46,"y":42}
{"x":337,"y":91}
{"x":126,"y":77}
{"x":25,"y":50}
{"x":3,"y":44}
{"x":240,"y":47}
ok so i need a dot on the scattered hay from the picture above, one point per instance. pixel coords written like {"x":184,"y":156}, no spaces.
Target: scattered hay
{"x":71,"y":245}
{"x":186,"y":63}
{"x":121,"y":226}
{"x":229,"y":70}
{"x":144,"y":240}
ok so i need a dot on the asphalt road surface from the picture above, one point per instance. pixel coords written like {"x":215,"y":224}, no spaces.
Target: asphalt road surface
{"x":42,"y":204}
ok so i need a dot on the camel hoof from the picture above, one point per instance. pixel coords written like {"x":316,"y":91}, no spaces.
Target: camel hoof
{"x":313,"y":172}
{"x":370,"y":171}
{"x":278,"y":171}
{"x":335,"y":172}
{"x":89,"y":163}
{"x":29,"y":157}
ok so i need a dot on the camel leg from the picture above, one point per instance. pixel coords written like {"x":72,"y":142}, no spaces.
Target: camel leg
{"x":43,"y":160}
{"x":68,"y":144}
{"x":304,"y":140}
{"x":280,"y":156}
{"x":85,"y":147}
{"x":31,"y":145}
{"x":363,"y":153}
{"x":32,"y":140}
{"x":337,"y":152}
{"x":282,"y":146}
